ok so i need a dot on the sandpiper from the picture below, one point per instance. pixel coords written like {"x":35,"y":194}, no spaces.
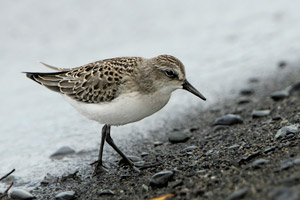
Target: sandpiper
{"x":118,"y":91}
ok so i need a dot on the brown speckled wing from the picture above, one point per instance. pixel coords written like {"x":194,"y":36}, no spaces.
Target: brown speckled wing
{"x":92,"y":83}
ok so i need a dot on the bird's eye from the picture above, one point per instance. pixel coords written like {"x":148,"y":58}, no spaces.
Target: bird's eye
{"x":170,"y":73}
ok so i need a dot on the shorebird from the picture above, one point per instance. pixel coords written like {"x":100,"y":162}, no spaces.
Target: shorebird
{"x":118,"y":91}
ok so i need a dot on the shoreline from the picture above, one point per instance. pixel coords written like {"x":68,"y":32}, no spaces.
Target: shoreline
{"x":240,"y":161}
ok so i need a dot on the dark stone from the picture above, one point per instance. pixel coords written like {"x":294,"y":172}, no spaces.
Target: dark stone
{"x":67,"y":195}
{"x":20,"y":194}
{"x":229,"y":119}
{"x":161,"y":179}
{"x":287,"y":130}
{"x":260,"y":113}
{"x":282,"y":64}
{"x":219,"y":127}
{"x":143,"y":154}
{"x":286,"y":164}
{"x":63,"y":151}
{"x":247,"y":91}
{"x":249,"y":157}
{"x":296,"y":86}
{"x":267,"y":150}
{"x":178,"y":136}
{"x":282,"y":94}
{"x":243,"y":100}
{"x":106,"y":192}
{"x":239,"y":194}
{"x":284,"y":193}
{"x":259,"y":162}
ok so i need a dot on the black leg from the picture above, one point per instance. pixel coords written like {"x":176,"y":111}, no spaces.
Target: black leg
{"x":99,"y":165}
{"x":111,"y":142}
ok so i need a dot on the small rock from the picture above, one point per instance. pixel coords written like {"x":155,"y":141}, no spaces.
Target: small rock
{"x":190,"y":148}
{"x":259,"y":162}
{"x":178,"y":136}
{"x":243,"y":100}
{"x":106,"y":192}
{"x":145,"y":188}
{"x":161,"y":179}
{"x":67,"y":195}
{"x":63,"y":151}
{"x":239,"y":194}
{"x":287,"y":130}
{"x":247,"y":91}
{"x":282,"y":64}
{"x":229,"y":119}
{"x":202,"y":171}
{"x":219,"y":127}
{"x":249,"y":157}
{"x":157,"y":143}
{"x":267,"y":150}
{"x":260,"y":113}
{"x":286,"y":164}
{"x":296,"y":86}
{"x":20,"y":194}
{"x":235,"y":146}
{"x":284,"y":193}
{"x":143,"y":154}
{"x":282,"y":94}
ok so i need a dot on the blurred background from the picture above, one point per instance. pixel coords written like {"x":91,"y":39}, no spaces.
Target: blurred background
{"x":221,"y":43}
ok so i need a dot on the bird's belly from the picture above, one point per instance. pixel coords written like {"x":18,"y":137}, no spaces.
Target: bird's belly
{"x":127,"y":108}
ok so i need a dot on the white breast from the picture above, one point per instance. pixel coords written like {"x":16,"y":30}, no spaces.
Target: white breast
{"x":124,"y":109}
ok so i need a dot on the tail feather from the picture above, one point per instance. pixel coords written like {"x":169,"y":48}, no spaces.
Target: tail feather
{"x":49,"y":80}
{"x":55,"y":68}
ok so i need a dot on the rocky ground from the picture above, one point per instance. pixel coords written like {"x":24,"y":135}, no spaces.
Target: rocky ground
{"x":243,"y":148}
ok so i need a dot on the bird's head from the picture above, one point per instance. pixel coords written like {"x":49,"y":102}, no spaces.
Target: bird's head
{"x":170,"y":75}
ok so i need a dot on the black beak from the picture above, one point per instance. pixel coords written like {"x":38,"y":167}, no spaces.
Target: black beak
{"x":187,"y":86}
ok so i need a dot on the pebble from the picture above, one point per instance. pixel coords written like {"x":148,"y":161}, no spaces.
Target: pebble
{"x":229,"y":119}
{"x":272,"y":148}
{"x":246,"y":91}
{"x":259,"y":162}
{"x":143,"y":154}
{"x":161,"y":179}
{"x":284,"y":193}
{"x":260,"y":113}
{"x":282,"y":94}
{"x":178,"y":136}
{"x":249,"y":157}
{"x":63,"y":151}
{"x":286,"y":164}
{"x":20,"y":194}
{"x":67,"y":195}
{"x":239,"y":194}
{"x":296,"y":86}
{"x":243,"y":100}
{"x":219,"y":127}
{"x":202,"y":171}
{"x":106,"y":192}
{"x":235,"y":146}
{"x":286,"y":130}
{"x":157,"y":143}
{"x":190,"y":148}
{"x":282,"y":64}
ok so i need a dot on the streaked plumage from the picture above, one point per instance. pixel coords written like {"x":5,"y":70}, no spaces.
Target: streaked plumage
{"x":118,"y":91}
